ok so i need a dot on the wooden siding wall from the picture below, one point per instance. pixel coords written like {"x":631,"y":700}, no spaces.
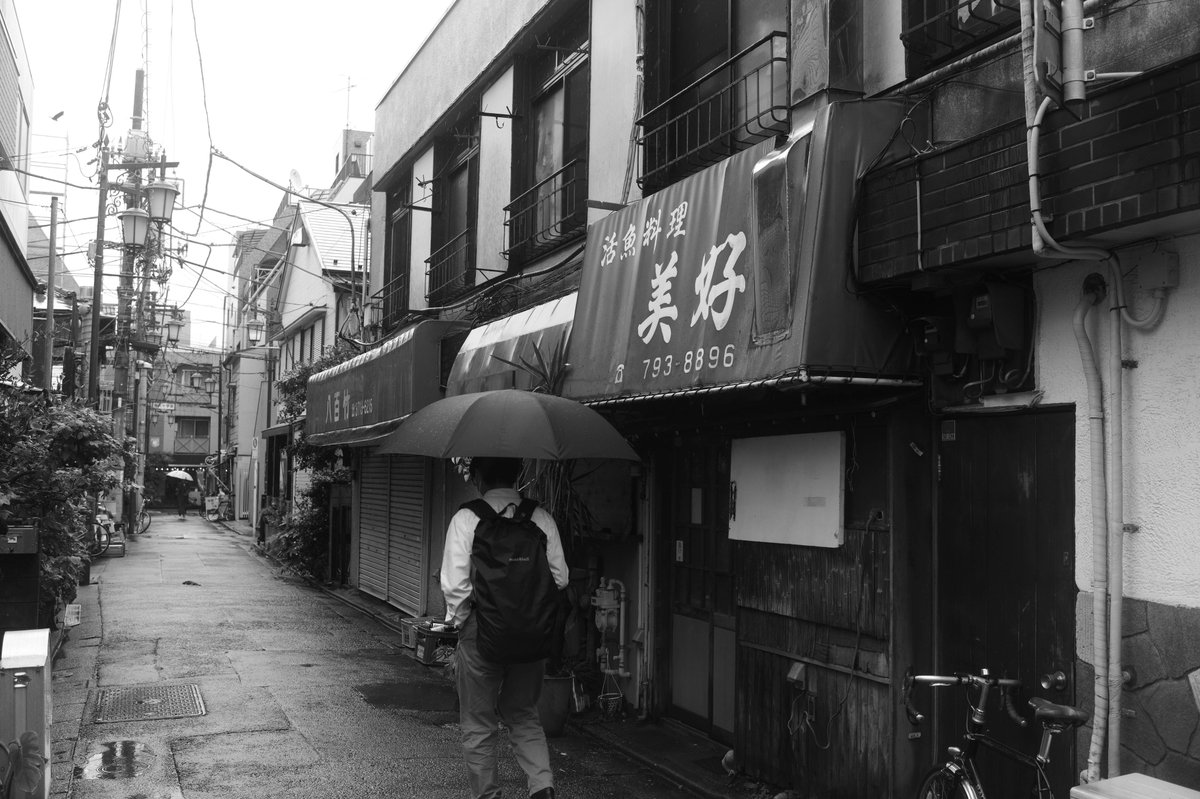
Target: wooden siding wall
{"x":830,"y":609}
{"x":844,"y":751}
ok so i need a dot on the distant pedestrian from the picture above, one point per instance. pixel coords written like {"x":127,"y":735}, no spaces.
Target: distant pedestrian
{"x":181,"y":500}
{"x":489,"y":692}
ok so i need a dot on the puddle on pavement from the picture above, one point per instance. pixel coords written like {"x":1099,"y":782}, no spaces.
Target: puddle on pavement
{"x":116,"y":760}
{"x":409,"y":696}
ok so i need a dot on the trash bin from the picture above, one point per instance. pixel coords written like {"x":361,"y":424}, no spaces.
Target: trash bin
{"x":25,"y":695}
{"x":19,"y":578}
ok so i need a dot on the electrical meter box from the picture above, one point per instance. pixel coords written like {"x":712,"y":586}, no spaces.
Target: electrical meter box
{"x":19,"y":578}
{"x":19,"y":541}
{"x":25,"y":704}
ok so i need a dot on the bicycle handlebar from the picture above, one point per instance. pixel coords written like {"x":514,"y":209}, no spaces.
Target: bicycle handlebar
{"x":984,"y":681}
{"x":940,"y":681}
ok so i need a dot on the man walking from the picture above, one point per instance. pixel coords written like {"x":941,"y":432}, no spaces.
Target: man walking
{"x":181,"y":499}
{"x":489,"y":691}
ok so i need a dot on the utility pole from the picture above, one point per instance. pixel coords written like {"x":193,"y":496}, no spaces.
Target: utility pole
{"x":48,"y":333}
{"x":129,"y":257}
{"x":132,"y":163}
{"x":98,"y":281}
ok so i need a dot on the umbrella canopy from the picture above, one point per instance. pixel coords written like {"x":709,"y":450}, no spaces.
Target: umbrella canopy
{"x":508,"y":423}
{"x":179,"y":474}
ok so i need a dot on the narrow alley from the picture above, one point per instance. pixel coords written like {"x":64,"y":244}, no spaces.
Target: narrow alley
{"x":201,"y":669}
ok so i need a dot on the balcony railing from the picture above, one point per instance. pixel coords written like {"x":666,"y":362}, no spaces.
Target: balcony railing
{"x":964,"y":26}
{"x":356,"y":165}
{"x":394,"y":295}
{"x":549,"y":213}
{"x":725,"y":111}
{"x":451,"y":269}
{"x":192,"y":444}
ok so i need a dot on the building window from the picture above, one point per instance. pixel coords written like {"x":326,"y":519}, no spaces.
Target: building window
{"x":398,"y":252}
{"x":191,"y":435}
{"x":193,"y":426}
{"x":550,"y":162}
{"x":451,"y":271}
{"x":938,"y":31}
{"x":717,"y":82}
{"x":14,"y":118}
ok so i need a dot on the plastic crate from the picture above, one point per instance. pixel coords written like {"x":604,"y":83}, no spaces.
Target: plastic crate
{"x":434,"y":648}
{"x":408,"y":629}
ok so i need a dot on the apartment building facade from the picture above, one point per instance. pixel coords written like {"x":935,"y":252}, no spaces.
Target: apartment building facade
{"x":786,"y":247}
{"x":16,"y":87}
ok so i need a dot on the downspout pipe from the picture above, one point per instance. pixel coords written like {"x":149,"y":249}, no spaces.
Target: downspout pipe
{"x":1093,"y":292}
{"x":1116,"y":498}
{"x":1116,"y":515}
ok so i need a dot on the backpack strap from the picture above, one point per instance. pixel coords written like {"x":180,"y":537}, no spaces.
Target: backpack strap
{"x":525,"y":509}
{"x":480,"y":508}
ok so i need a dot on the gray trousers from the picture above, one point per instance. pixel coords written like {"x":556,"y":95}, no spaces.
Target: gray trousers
{"x":491,"y":692}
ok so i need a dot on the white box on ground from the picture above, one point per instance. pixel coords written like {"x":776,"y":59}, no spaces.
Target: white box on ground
{"x":25,"y":701}
{"x":1133,"y":786}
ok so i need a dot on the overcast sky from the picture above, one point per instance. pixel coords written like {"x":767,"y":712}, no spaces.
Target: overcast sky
{"x":275,"y":77}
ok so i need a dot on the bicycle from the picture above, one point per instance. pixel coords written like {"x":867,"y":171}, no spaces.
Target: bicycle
{"x":99,"y":536}
{"x":142,"y":523}
{"x":958,"y":778}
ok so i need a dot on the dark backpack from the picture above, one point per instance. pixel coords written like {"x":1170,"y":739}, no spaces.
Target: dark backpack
{"x":514,"y":590}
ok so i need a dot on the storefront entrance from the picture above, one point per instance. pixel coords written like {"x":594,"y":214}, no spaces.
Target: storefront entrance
{"x":698,"y":568}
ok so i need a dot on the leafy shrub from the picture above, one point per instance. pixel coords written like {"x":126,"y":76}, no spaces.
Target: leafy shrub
{"x":54,"y":455}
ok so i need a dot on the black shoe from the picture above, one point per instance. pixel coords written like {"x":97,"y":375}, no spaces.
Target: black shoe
{"x":544,"y":793}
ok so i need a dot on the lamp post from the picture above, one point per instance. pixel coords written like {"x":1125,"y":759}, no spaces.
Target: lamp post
{"x":139,"y":467}
{"x":132,"y":223}
{"x":174,"y":329}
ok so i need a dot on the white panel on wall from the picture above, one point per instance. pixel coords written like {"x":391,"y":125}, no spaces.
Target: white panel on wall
{"x":788,"y":489}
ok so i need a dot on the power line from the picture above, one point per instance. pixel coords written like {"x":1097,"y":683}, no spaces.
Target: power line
{"x":207,"y":120}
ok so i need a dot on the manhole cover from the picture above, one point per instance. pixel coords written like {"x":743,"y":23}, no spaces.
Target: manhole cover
{"x":149,"y":702}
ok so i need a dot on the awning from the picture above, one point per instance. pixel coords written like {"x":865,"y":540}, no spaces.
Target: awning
{"x":738,"y":275}
{"x":360,"y":401}
{"x":277,"y":430}
{"x":481,"y":363}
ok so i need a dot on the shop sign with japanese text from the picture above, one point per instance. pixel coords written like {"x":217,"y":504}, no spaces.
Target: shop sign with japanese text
{"x":667,"y":294}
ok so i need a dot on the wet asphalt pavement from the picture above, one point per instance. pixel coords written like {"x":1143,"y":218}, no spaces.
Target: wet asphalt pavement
{"x":275,"y":688}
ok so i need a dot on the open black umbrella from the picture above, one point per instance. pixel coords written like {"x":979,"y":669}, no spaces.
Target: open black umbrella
{"x":508,"y":423}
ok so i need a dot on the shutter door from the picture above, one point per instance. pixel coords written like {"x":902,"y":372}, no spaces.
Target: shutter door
{"x":373,"y":527}
{"x":406,"y":534}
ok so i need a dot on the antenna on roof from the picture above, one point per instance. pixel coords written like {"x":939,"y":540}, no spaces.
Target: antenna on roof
{"x":295,"y":182}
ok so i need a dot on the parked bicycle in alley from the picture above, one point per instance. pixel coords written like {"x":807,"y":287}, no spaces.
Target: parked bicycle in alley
{"x":959,"y":776}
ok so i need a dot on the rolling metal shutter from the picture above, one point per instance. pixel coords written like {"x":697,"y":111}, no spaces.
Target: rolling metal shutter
{"x":373,"y":527}
{"x":406,"y":528}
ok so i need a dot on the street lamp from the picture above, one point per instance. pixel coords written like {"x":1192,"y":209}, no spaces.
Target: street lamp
{"x":160,"y":201}
{"x":254,"y":330}
{"x":174,"y":328}
{"x":135,"y":225}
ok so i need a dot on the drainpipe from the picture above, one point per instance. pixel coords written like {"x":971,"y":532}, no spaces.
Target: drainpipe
{"x":1074,"y":91}
{"x":1116,"y":514}
{"x":1093,"y":292}
{"x":1116,"y":501}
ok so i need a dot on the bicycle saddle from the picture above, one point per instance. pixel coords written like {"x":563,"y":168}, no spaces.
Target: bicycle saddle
{"x":1045,"y":710}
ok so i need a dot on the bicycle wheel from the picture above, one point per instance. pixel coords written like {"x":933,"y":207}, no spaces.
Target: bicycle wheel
{"x":143,"y":520}
{"x":946,"y":783}
{"x":98,"y":544}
